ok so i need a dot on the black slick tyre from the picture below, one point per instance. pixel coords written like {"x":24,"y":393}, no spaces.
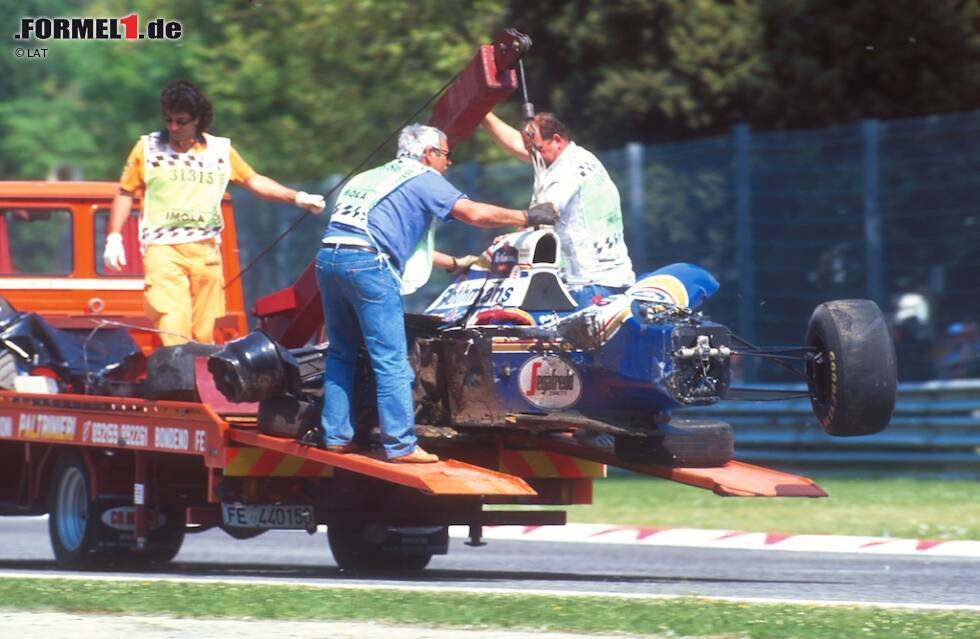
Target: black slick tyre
{"x":287,"y":416}
{"x":170,"y":371}
{"x":852,"y":374}
{"x":683,"y":443}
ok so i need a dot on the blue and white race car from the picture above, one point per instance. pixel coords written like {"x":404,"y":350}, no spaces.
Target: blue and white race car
{"x":505,"y":349}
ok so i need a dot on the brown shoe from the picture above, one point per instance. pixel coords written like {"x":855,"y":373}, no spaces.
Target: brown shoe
{"x":349,"y":447}
{"x":417,"y":456}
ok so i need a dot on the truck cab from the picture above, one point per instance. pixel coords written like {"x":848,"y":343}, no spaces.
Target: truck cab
{"x":52,"y":235}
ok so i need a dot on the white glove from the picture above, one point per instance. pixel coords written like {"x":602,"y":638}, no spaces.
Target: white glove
{"x":462,"y":264}
{"x":310,"y":201}
{"x":114,"y":256}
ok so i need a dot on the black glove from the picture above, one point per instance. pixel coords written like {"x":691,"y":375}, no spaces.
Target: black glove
{"x":541,"y":215}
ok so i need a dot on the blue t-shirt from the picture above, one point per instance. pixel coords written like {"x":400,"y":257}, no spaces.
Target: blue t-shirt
{"x":398,"y":221}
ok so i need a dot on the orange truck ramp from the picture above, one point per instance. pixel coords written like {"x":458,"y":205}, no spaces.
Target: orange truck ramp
{"x":445,"y":477}
{"x":734,"y":479}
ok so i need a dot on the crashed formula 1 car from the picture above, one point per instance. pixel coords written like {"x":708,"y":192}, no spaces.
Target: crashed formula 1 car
{"x":504,"y":349}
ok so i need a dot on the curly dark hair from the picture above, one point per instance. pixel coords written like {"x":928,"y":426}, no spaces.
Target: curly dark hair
{"x":183,"y":96}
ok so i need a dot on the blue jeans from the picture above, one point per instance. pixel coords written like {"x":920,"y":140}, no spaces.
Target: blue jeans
{"x":362,"y":302}
{"x":583,"y":295}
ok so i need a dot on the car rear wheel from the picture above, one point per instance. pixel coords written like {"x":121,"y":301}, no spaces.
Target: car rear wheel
{"x":852,"y":375}
{"x":287,"y":416}
{"x":170,"y":372}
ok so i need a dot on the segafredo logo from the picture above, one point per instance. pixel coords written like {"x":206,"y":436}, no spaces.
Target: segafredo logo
{"x":549,"y":382}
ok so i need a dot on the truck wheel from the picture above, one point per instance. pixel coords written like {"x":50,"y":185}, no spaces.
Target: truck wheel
{"x":165,"y":542}
{"x":853,"y":378}
{"x":364,"y":548}
{"x":72,"y":519}
{"x":243,"y":533}
{"x":683,"y":443}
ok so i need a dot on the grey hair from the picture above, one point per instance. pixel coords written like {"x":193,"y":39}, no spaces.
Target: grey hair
{"x":416,"y":138}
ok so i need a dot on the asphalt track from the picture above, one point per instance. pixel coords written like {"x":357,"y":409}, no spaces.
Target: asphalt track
{"x":630,"y":565}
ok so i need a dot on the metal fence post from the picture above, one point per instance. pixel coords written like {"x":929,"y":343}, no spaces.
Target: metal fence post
{"x":637,"y":206}
{"x":874,"y":258}
{"x":744,"y":254}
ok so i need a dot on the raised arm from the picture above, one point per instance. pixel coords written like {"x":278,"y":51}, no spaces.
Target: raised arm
{"x":506,"y":137}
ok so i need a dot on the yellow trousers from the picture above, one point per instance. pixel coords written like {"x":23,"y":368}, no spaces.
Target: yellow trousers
{"x":184,"y":290}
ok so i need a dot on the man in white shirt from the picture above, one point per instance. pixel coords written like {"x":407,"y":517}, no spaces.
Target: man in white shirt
{"x":595,"y":262}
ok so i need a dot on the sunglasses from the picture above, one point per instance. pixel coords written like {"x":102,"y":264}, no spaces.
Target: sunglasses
{"x":443,"y":152}
{"x":178,"y":121}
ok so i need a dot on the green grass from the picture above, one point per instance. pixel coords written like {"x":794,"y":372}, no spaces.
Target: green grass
{"x":667,"y":617}
{"x":904,"y":508}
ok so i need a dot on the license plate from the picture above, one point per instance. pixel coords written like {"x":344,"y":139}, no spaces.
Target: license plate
{"x":267,"y":516}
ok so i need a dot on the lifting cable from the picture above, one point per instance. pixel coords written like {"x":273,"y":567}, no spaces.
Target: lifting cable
{"x":350,"y":174}
{"x":527,"y":110}
{"x":537,"y":162}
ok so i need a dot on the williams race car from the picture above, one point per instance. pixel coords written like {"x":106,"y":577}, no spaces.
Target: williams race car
{"x":504,"y":349}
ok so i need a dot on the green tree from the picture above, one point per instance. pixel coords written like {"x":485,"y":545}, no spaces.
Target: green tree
{"x":304,"y":89}
{"x":657,"y":70}
{"x":85,"y":103}
{"x":308,"y":88}
{"x":831,"y":62}
{"x":643,"y":70}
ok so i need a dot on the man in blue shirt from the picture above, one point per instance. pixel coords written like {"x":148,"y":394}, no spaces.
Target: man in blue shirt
{"x":380,"y":218}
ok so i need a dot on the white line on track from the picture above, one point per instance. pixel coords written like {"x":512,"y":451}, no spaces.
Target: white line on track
{"x":728,"y":539}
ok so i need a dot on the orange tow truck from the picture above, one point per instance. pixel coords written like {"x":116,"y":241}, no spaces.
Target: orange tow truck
{"x":126,"y":462}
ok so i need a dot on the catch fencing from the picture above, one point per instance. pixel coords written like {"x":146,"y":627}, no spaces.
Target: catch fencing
{"x":935,"y":430}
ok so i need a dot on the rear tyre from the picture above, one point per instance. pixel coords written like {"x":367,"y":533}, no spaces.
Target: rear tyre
{"x":170,"y":372}
{"x":162,"y":544}
{"x":683,"y":443}
{"x":72,"y":519}
{"x":287,"y":416}
{"x":853,"y":377}
{"x":364,"y":548}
